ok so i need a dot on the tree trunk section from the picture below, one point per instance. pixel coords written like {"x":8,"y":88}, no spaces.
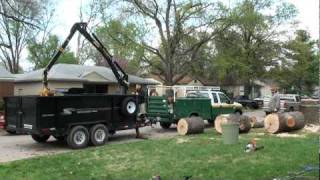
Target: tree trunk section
{"x":244,"y":126}
{"x":255,"y":123}
{"x":244,"y":122}
{"x":192,"y":125}
{"x":310,"y":112}
{"x":284,"y":122}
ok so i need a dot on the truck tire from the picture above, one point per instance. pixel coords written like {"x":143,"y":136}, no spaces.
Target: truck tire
{"x":78,"y":137}
{"x":210,"y":121}
{"x":165,"y":125}
{"x":40,"y":138}
{"x":99,"y":134}
{"x":238,"y":112}
{"x":11,"y":131}
{"x":129,"y":106}
{"x":59,"y":138}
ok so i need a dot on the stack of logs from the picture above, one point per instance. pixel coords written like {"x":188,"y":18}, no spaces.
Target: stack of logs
{"x":284,"y":122}
{"x":244,"y":122}
{"x":273,"y":123}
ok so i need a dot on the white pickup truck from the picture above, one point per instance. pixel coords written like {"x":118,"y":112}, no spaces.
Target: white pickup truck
{"x":288,"y":102}
{"x":218,"y":99}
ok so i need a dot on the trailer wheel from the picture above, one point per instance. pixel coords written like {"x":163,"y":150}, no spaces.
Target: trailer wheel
{"x":40,"y":138}
{"x":78,"y":137}
{"x":99,"y":134}
{"x":129,"y":106}
{"x":165,"y":125}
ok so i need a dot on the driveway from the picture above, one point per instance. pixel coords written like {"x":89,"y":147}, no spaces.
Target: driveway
{"x":15,"y":147}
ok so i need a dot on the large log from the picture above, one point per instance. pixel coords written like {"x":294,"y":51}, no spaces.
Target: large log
{"x":310,"y":112}
{"x":192,"y":125}
{"x":284,"y":122}
{"x":255,"y":123}
{"x":244,"y":122}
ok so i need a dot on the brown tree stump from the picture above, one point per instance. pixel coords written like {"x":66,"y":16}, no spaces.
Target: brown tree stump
{"x":284,"y":122}
{"x":244,"y":122}
{"x":192,"y":125}
{"x":255,"y":123}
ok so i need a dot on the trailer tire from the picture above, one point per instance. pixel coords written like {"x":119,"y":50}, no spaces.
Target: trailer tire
{"x":78,"y":137}
{"x":40,"y":138}
{"x":99,"y":134}
{"x":129,"y":106}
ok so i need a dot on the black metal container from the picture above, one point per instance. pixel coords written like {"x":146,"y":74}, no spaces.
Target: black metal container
{"x":56,"y":114}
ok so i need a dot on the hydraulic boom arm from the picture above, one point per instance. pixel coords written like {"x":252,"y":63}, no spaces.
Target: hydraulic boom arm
{"x":118,"y":72}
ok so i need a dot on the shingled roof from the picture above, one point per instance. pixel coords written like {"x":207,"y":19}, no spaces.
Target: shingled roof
{"x":73,"y":72}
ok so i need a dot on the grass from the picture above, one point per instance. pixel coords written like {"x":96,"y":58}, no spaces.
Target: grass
{"x":200,"y":156}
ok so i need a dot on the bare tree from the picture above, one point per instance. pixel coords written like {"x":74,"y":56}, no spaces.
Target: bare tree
{"x":14,"y":17}
{"x":182,"y":28}
{"x":18,"y":20}
{"x":92,"y":13}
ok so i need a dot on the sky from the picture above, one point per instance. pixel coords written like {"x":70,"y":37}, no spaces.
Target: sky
{"x":67,"y":13}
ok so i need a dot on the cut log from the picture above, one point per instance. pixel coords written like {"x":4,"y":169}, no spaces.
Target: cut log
{"x":311,"y":113}
{"x":255,"y":123}
{"x":284,"y":122}
{"x":244,"y":122}
{"x":192,"y":125}
{"x":223,"y":119}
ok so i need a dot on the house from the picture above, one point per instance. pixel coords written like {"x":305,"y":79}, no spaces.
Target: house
{"x":62,"y":77}
{"x":229,"y":86}
{"x":6,"y":82}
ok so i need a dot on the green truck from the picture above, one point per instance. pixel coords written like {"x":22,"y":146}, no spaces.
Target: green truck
{"x":168,"y":104}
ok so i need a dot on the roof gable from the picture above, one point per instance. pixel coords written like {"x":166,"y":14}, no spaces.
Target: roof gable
{"x":94,"y":77}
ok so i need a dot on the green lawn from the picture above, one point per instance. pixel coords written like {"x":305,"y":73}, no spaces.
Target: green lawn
{"x":200,"y":156}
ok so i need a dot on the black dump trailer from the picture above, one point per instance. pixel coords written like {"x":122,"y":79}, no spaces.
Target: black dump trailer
{"x":78,"y":119}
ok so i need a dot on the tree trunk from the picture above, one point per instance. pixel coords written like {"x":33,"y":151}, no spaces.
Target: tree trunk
{"x":244,"y":126}
{"x":244,"y":122}
{"x":192,"y":125}
{"x":284,"y":122}
{"x":255,"y":123}
{"x":310,"y":112}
